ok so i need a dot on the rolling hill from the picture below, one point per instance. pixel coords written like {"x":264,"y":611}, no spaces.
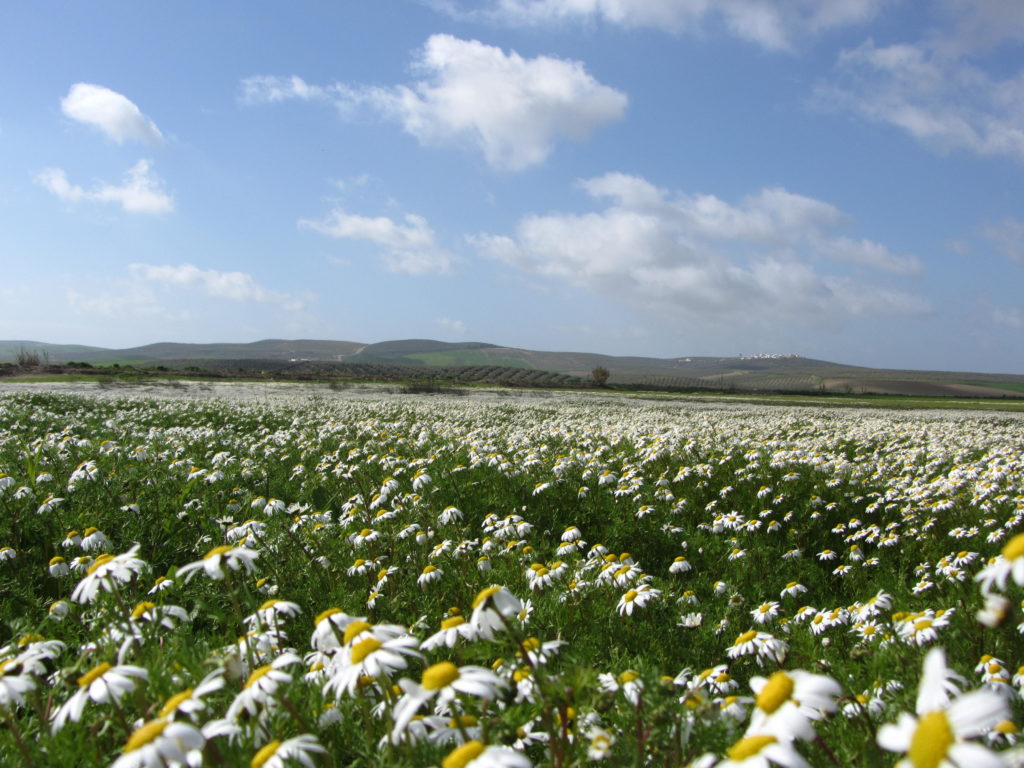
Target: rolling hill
{"x":754,"y":373}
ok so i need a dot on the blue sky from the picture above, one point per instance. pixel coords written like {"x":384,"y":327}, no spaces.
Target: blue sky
{"x":841,"y":179}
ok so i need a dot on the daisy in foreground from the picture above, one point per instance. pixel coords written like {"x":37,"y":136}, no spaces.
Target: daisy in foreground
{"x":762,"y":751}
{"x":937,"y":737}
{"x":475,"y":754}
{"x":278,"y":754}
{"x":214,"y":560}
{"x":160,"y":742}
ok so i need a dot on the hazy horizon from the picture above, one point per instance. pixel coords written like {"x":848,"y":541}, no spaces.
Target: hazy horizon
{"x":837,"y":180}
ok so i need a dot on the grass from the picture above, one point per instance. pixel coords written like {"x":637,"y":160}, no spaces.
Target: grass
{"x":328,"y":496}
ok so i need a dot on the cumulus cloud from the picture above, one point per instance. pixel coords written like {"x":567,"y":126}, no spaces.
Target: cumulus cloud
{"x":410,"y":247}
{"x":109,"y":111}
{"x":770,"y":256}
{"x":510,"y":108}
{"x":141,"y":191}
{"x":232,"y":286}
{"x":772,"y":24}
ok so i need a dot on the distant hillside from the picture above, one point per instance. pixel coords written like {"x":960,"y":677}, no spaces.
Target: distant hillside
{"x":764,"y":374}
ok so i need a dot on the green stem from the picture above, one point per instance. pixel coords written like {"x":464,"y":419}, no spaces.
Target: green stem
{"x":16,"y":733}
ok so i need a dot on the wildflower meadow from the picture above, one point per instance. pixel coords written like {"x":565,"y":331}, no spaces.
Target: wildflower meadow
{"x":436,"y":581}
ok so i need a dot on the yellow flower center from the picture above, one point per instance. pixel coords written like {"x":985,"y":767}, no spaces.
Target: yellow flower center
{"x":454,"y":621}
{"x":269,"y":604}
{"x":266,"y":752}
{"x":221,"y":550}
{"x":931,"y":740}
{"x":56,"y":560}
{"x":1005,"y":726}
{"x":484,"y":595}
{"x":439,"y":675}
{"x":354,"y":629}
{"x":99,"y":561}
{"x":88,"y":531}
{"x":630,"y":596}
{"x":142,"y":607}
{"x":746,"y":637}
{"x":749,"y":746}
{"x":174,"y":701}
{"x":462,"y":756}
{"x":92,"y":674}
{"x":628,"y":677}
{"x":325,"y":615}
{"x":365,"y":532}
{"x":775,"y":693}
{"x":257,"y":674}
{"x":145,"y":734}
{"x":1014,"y":547}
{"x":364,"y":648}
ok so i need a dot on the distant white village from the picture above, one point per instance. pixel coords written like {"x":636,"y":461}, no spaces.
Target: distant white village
{"x":770,"y":356}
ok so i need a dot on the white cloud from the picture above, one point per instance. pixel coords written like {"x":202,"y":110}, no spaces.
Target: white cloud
{"x":938,"y":89}
{"x":114,"y":114}
{"x":947,"y":104}
{"x":510,"y":108}
{"x":410,"y":248}
{"x":455,"y":326}
{"x":1007,"y":237}
{"x":268,"y":89}
{"x":772,"y":24}
{"x":140,"y":192}
{"x":1010,"y":318}
{"x":705,"y":258}
{"x":232,"y":286}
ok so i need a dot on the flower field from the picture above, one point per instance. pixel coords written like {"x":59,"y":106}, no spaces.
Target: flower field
{"x":417,"y":582}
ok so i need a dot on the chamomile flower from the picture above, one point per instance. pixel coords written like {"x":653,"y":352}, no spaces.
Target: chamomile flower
{"x":260,"y":687}
{"x":786,"y":703}
{"x":442,"y":683}
{"x":475,"y":754}
{"x":793,"y":589}
{"x":762,"y":751}
{"x":190,"y":701}
{"x":429,"y":575}
{"x":452,"y":628}
{"x":629,"y":682}
{"x":213,"y":562}
{"x":1009,"y":564}
{"x":102,"y":684}
{"x":371,"y":652}
{"x":160,"y":742}
{"x":279,"y":754}
{"x":938,"y":735}
{"x":106,"y":572}
{"x":765,"y":612}
{"x":636,"y":598}
{"x":492,"y":608}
